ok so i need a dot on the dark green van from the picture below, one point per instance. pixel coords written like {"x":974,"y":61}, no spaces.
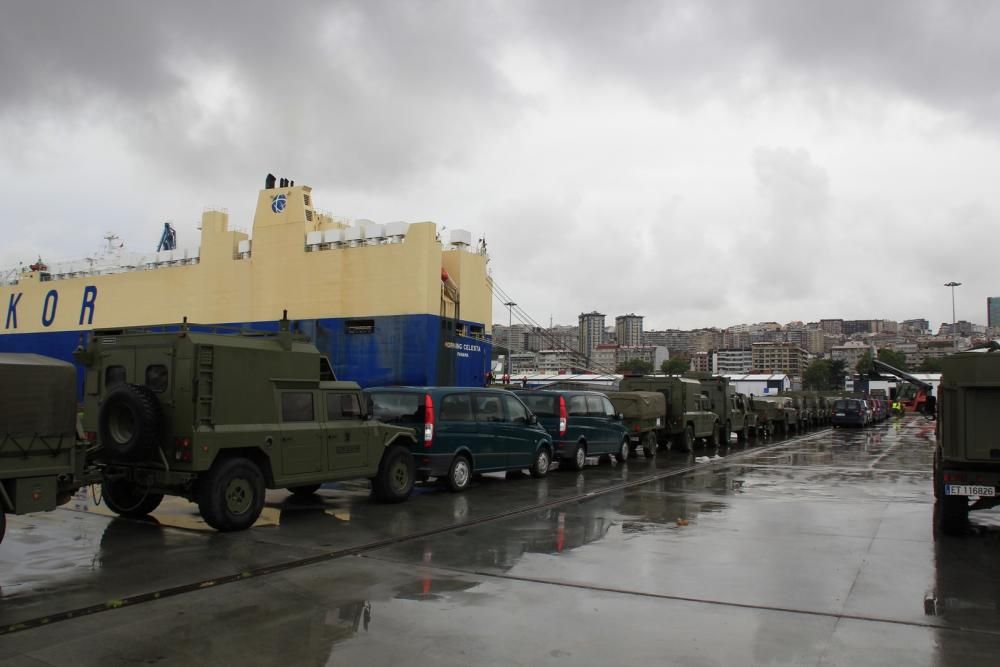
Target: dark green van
{"x":581,"y":423}
{"x":462,"y":430}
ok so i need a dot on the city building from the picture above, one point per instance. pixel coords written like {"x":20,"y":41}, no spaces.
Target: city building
{"x":850,"y":353}
{"x":834,"y":327}
{"x":557,"y":361}
{"x":734,"y":360}
{"x":604,"y":358}
{"x":993,"y":311}
{"x":628,"y":330}
{"x":787,"y":358}
{"x":703,"y":362}
{"x":917,"y":327}
{"x":591,"y":332}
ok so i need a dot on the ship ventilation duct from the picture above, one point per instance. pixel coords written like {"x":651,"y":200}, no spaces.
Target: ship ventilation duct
{"x":269,"y":182}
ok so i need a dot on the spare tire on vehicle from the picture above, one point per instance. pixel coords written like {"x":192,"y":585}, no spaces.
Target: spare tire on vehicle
{"x":130,"y":422}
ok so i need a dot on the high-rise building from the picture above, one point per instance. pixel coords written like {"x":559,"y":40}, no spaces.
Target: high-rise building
{"x":628,"y":330}
{"x":591,"y":332}
{"x":993,"y":311}
{"x":787,"y":358}
{"x":734,"y":360}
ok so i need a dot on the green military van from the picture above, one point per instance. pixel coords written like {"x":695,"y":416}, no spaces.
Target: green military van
{"x":461,"y":431}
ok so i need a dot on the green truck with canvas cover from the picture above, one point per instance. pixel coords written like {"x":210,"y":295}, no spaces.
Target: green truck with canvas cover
{"x":218,"y":417}
{"x":775,"y":414}
{"x":732,"y":408}
{"x":688,"y":415}
{"x":967,"y":455}
{"x":644,"y":415}
{"x":41,"y":460}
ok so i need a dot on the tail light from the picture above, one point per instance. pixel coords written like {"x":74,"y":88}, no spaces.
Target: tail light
{"x":636,"y":428}
{"x":182,"y":449}
{"x":428,"y":421}
{"x":90,"y":436}
{"x":563,"y":416}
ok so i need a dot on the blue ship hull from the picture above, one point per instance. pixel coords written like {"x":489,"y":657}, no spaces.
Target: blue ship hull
{"x":396,"y":350}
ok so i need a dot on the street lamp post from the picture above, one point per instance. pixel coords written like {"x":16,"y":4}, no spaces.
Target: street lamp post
{"x":954,"y":323}
{"x":510,"y":334}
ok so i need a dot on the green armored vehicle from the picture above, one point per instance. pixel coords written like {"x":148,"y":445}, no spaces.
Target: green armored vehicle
{"x":732,"y":409}
{"x":645,"y":415}
{"x":688,"y":414}
{"x":217,"y":418}
{"x":775,"y":414}
{"x":967,"y":456}
{"x":41,"y":460}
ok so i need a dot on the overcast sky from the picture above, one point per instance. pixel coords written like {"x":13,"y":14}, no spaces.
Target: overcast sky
{"x":699,"y":163}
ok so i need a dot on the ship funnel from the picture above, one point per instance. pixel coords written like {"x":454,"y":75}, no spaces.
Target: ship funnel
{"x":284,"y":331}
{"x":269,"y":182}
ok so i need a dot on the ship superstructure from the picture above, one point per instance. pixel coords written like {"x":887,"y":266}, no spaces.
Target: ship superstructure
{"x":389,"y":303}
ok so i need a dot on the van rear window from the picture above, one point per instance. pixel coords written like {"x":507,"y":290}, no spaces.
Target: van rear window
{"x":543,"y":406}
{"x":400,"y":408}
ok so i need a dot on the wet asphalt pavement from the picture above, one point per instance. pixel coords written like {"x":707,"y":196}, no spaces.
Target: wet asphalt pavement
{"x":815,"y":551}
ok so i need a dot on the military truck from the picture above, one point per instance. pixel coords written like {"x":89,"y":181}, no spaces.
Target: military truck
{"x":776,"y":414}
{"x":967,"y":452}
{"x":41,"y":460}
{"x":688,"y":415}
{"x":732,"y":409}
{"x":644,"y":415}
{"x":218,"y":417}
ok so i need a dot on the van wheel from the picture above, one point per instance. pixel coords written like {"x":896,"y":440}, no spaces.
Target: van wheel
{"x":396,"y":472}
{"x":622,"y":454}
{"x":305,"y":490}
{"x":231,"y":494}
{"x":953,"y":514}
{"x":125,"y":498}
{"x":579,"y":458}
{"x":542,"y":461}
{"x":649,"y":445}
{"x":459,"y":474}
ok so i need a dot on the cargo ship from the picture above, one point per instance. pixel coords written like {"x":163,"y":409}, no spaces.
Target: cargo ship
{"x":388,"y":303}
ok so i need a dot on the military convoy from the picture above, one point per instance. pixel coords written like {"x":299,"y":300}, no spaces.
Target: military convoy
{"x":967,"y":455}
{"x":688,"y":416}
{"x":644,"y":414}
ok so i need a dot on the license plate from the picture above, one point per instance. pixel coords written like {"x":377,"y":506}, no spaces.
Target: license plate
{"x":969,"y":490}
{"x":841,"y":414}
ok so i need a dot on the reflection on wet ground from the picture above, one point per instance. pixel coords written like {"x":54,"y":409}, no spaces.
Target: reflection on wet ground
{"x":819,"y":550}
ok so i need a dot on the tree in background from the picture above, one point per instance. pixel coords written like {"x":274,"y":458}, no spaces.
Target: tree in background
{"x":635,"y":367}
{"x":675,"y":366}
{"x":930,"y":365}
{"x":838,"y":369}
{"x":817,"y":376}
{"x":893,"y":358}
{"x":864,"y":365}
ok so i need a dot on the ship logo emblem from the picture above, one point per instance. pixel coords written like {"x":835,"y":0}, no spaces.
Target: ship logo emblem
{"x":278,"y":203}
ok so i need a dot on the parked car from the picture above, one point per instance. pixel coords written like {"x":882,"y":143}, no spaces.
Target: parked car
{"x":581,"y":423}
{"x":462,"y":431}
{"x":849,"y":412}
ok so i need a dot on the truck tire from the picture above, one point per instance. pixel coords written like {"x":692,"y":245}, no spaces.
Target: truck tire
{"x":231,"y":494}
{"x":396,"y":474}
{"x":724,"y":436}
{"x":741,"y":436}
{"x":649,"y":445}
{"x":953,"y":514}
{"x":126,"y":499}
{"x":129,"y":422}
{"x":713,"y":439}
{"x":304,"y":491}
{"x":685,"y":439}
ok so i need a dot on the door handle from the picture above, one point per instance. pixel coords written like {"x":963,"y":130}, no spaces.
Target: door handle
{"x":286,"y":438}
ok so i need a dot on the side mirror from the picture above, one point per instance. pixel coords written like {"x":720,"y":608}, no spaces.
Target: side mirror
{"x":620,"y":417}
{"x":532,"y":419}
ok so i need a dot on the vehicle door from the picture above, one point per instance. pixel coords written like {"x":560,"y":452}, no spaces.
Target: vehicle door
{"x":519,"y":437}
{"x":600,"y":426}
{"x":579,"y":422}
{"x":348,"y":436}
{"x":456,"y":428}
{"x":301,"y":440}
{"x":489,"y":411}
{"x":612,"y":425}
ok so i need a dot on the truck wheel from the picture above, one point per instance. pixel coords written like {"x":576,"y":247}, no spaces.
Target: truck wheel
{"x":305,"y":490}
{"x":741,"y":436}
{"x":724,"y":436}
{"x":459,"y":474}
{"x":713,"y":439}
{"x":125,"y":498}
{"x":231,"y":494}
{"x":543,"y":458}
{"x":129,"y":422}
{"x":623,"y":451}
{"x":953,"y":514}
{"x":649,"y":445}
{"x":395,"y":477}
{"x":685,"y":441}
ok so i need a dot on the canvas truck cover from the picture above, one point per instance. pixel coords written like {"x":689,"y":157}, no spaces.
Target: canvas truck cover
{"x":639,"y":404}
{"x":37,"y":395}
